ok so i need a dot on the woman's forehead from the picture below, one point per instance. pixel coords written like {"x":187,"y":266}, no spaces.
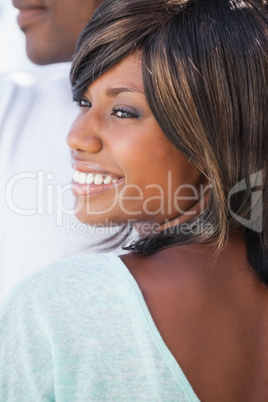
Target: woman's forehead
{"x":126,"y":75}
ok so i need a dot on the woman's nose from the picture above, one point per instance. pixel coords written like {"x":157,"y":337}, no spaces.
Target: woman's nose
{"x":82,"y":136}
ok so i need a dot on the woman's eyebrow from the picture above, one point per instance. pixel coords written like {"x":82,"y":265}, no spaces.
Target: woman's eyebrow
{"x":113,"y":92}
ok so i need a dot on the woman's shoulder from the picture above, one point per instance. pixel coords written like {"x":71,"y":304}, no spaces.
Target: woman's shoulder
{"x":66,"y":280}
{"x":74,"y":267}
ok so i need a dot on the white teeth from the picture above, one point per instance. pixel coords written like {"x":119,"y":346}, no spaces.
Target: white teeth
{"x":107,"y":180}
{"x":98,"y":179}
{"x":76,"y":176}
{"x":82,"y":178}
{"x":90,"y":178}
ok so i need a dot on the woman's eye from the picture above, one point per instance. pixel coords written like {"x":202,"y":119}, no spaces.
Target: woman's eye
{"x":123,"y":113}
{"x":84,"y":103}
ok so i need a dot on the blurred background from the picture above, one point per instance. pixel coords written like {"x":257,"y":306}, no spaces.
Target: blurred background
{"x":12,"y":41}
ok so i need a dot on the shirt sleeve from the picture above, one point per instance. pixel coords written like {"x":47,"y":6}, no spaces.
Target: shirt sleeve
{"x":26,"y":369}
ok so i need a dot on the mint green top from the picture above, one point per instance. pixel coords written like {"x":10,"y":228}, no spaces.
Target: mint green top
{"x":80,"y":330}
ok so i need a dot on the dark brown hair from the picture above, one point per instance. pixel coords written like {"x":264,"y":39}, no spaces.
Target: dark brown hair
{"x":205,"y":73}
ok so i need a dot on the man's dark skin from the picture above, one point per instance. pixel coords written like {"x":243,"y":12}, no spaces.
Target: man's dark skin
{"x":51,"y":27}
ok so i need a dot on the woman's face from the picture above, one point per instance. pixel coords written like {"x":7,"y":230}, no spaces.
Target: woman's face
{"x":125,"y":168}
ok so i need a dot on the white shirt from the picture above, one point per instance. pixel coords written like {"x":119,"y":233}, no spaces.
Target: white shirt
{"x":37,"y":226}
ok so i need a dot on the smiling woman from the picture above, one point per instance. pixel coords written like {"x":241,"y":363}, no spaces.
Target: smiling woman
{"x":108,"y":140}
{"x":171,"y":138}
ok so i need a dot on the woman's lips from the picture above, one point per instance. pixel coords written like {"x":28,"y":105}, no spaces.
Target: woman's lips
{"x":94,"y":182}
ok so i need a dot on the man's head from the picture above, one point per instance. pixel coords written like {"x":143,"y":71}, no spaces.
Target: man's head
{"x":52,"y":27}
